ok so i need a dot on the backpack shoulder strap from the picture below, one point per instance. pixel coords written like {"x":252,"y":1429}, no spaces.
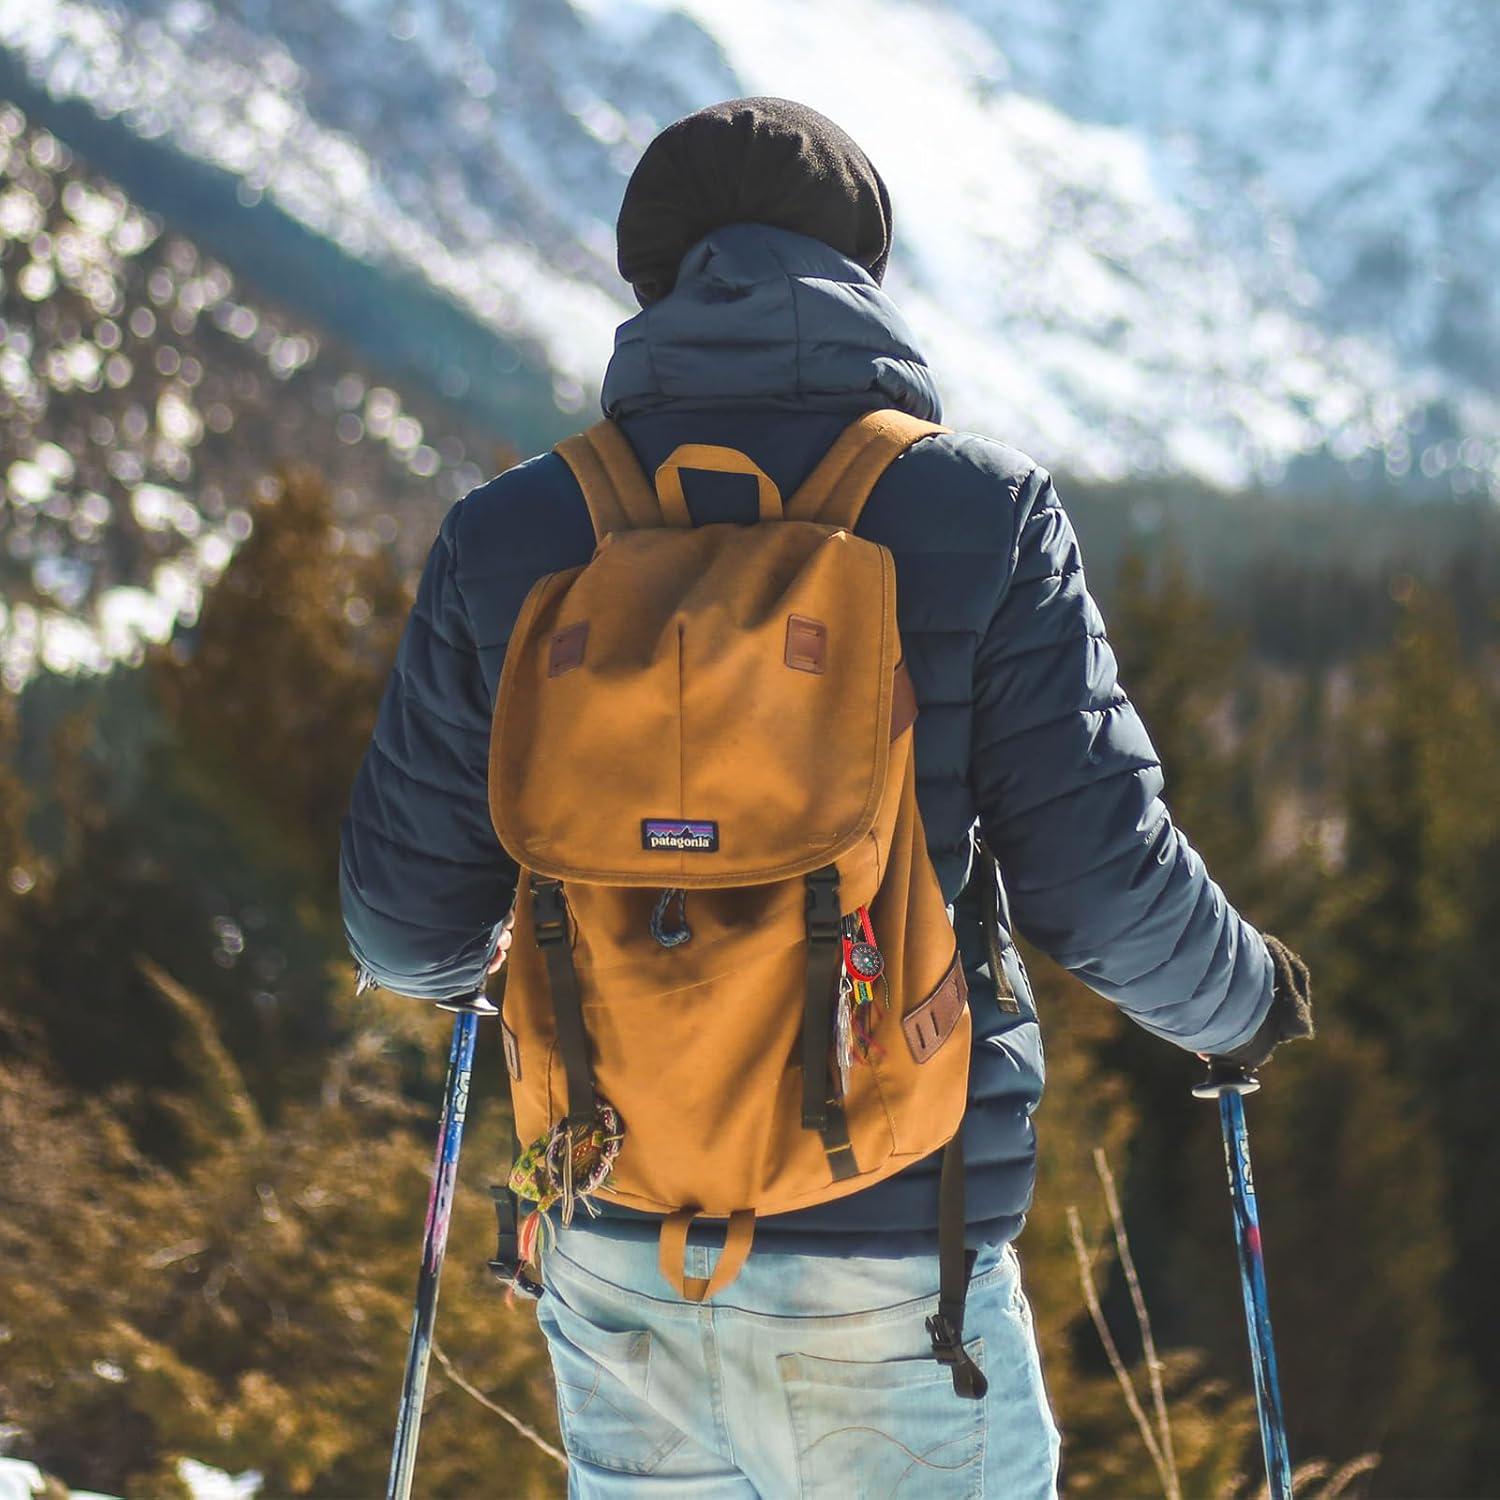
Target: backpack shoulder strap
{"x":836,"y":490}
{"x":621,"y":498}
{"x":614,"y":485}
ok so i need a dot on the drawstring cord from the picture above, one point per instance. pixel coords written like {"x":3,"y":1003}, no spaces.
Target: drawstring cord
{"x":682,"y":932}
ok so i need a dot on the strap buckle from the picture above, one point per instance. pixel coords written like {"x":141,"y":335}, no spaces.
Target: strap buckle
{"x":512,"y":1273}
{"x":824,"y":919}
{"x":506,"y":1263}
{"x":549,"y":911}
{"x":948,"y":1349}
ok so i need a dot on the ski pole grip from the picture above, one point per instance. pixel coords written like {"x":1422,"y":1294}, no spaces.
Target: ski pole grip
{"x":1225,"y":1078}
{"x":469,"y":1005}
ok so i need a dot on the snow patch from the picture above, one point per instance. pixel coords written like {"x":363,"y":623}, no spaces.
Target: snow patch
{"x":20,"y":1480}
{"x":214,"y":1484}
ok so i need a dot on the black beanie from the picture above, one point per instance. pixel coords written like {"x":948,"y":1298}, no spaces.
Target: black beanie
{"x":761,"y":161}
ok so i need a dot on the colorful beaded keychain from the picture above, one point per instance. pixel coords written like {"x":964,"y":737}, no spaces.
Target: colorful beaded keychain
{"x":567,"y":1165}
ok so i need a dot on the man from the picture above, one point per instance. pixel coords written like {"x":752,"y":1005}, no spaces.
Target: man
{"x":755,"y":235}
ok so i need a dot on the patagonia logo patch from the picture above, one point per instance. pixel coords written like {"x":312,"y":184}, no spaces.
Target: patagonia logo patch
{"x":679,"y":833}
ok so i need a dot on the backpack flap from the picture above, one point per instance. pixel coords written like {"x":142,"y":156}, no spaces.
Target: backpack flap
{"x":697,"y":708}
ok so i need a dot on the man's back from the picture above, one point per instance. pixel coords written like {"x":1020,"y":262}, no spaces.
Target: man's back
{"x":771,"y":344}
{"x":797,"y":1373}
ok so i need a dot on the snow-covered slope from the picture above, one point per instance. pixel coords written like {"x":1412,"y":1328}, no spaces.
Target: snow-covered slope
{"x":1372,"y":131}
{"x":1132,"y":236}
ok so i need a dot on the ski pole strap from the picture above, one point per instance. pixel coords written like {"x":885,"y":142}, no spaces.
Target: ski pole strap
{"x":824,"y":952}
{"x":955,"y":1266}
{"x":550,"y":918}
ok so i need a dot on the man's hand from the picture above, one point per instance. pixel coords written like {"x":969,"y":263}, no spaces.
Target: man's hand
{"x":504,"y":946}
{"x":1290,"y":1016}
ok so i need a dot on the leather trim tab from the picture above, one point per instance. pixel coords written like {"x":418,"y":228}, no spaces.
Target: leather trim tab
{"x":903,"y":702}
{"x":806,"y":644}
{"x":932,"y":1022}
{"x":512,"y":1051}
{"x":567,"y":649}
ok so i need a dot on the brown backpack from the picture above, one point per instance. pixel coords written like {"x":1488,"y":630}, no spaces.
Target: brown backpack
{"x":733,"y":987}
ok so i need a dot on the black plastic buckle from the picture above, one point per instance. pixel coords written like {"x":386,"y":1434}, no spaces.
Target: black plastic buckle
{"x":549,"y":911}
{"x":506,"y":1263}
{"x":824,"y":919}
{"x":947,"y":1349}
{"x":512,"y":1274}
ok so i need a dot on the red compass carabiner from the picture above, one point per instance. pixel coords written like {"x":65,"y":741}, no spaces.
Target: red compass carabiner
{"x":863,"y":960}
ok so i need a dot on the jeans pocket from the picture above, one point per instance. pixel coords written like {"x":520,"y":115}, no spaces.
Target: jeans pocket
{"x":602,"y":1382}
{"x":874,"y":1429}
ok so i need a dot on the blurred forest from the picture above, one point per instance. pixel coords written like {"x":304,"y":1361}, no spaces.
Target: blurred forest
{"x":216,"y":1157}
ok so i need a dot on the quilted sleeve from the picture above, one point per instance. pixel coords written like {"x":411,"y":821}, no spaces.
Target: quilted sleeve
{"x":1069,"y":791}
{"x":423,"y":879}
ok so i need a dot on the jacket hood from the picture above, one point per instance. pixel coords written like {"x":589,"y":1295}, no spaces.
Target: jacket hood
{"x":763,"y":318}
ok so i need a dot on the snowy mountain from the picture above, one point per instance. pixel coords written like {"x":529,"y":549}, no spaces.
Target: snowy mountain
{"x":1371,"y":133}
{"x":1133,"y":237}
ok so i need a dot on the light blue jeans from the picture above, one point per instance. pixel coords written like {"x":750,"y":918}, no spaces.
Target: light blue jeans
{"x":808,"y":1376}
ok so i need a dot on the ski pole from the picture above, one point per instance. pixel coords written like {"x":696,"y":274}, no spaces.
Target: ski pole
{"x":435,"y":1239}
{"x":1228,"y":1083}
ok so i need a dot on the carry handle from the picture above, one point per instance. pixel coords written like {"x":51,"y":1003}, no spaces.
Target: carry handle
{"x":719,"y":461}
{"x":673,"y":1254}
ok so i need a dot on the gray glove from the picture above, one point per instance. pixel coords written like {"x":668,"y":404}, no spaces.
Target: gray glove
{"x":1290,"y":1015}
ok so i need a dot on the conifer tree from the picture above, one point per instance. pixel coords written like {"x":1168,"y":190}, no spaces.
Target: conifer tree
{"x":216,"y":1260}
{"x":1414,"y":932}
{"x":275,"y":694}
{"x":1345,"y":1173}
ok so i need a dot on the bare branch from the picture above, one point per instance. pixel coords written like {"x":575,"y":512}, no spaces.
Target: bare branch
{"x":529,"y":1433}
{"x":1302,"y":1476}
{"x":1349,"y":1473}
{"x":1091,"y":1297}
{"x":1143,"y":1319}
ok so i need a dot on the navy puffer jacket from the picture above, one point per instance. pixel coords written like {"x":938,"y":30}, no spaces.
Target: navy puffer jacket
{"x":770,"y":343}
